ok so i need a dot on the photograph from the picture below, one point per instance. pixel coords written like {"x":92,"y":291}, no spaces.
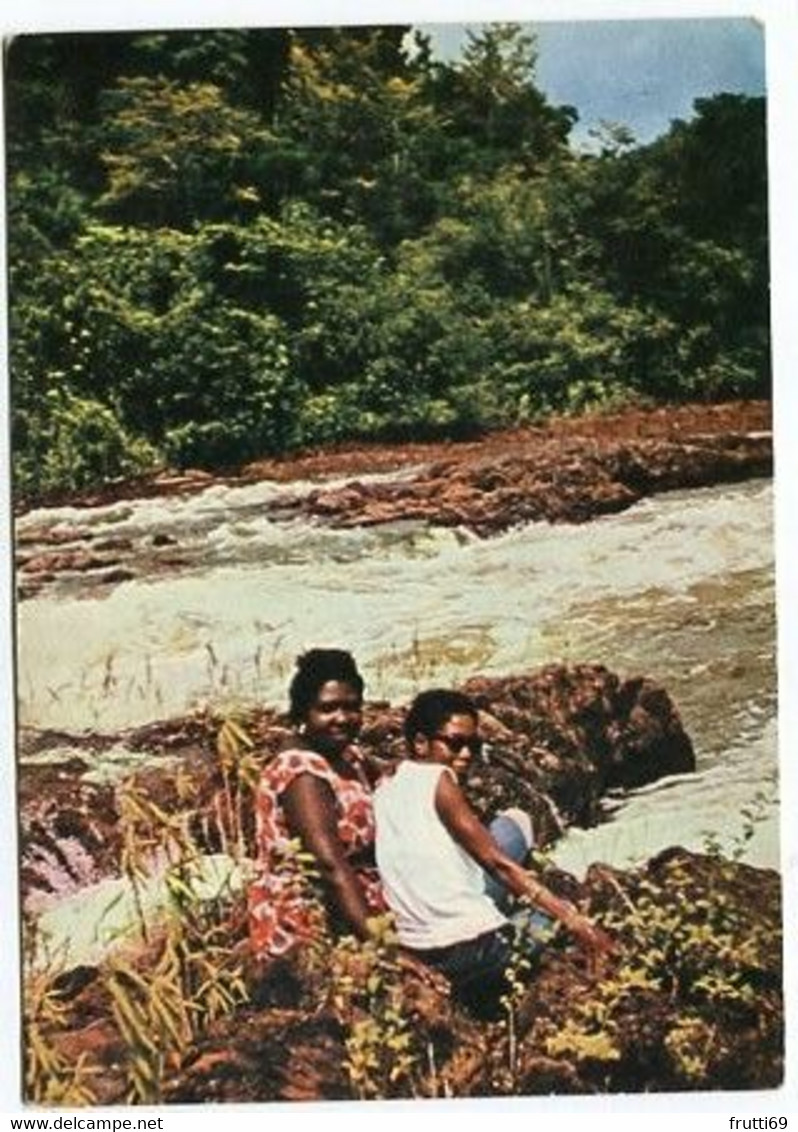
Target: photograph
{"x":393,"y":637}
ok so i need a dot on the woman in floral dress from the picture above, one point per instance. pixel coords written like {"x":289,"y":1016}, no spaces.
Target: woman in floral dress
{"x":315,"y":799}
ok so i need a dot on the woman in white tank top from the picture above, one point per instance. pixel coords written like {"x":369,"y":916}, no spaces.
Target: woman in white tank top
{"x":435,"y":856}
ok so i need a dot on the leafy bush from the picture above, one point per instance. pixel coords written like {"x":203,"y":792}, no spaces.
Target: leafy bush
{"x":580,"y":350}
{"x":698,"y":969}
{"x":76,"y":443}
{"x":361,"y":243}
{"x":202,"y":380}
{"x":221,"y":385}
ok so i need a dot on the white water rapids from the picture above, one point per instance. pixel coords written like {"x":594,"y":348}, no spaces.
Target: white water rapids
{"x":679,"y":588}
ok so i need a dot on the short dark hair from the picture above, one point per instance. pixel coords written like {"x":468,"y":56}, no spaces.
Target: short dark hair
{"x":313,"y":670}
{"x":431,"y":709}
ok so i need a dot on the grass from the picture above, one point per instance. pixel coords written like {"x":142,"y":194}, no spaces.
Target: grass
{"x":694,"y":974}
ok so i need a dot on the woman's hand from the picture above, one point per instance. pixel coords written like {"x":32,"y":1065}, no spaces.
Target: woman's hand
{"x":353,"y":753}
{"x":599,"y":945}
{"x":370,"y":768}
{"x":588,"y":933}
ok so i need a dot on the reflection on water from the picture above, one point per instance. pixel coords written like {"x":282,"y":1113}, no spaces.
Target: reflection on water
{"x":679,"y":587}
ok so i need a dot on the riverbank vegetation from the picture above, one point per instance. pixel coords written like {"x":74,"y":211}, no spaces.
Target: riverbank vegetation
{"x":691,"y":1001}
{"x":228,"y":245}
{"x":176,"y":1011}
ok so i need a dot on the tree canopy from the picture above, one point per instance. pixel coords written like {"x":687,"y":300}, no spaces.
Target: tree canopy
{"x":228,"y":244}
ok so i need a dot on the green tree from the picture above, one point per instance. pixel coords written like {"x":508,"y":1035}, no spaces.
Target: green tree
{"x":682,"y":229}
{"x":176,"y":154}
{"x":513,"y":235}
{"x":491,"y":110}
{"x":247,"y":64}
{"x":226,"y":243}
{"x":353,"y":107}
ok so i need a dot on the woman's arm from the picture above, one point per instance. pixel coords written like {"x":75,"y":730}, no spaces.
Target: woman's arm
{"x":309,"y":806}
{"x":469,"y":832}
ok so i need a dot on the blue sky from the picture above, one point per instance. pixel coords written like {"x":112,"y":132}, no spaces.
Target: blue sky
{"x":641,"y":73}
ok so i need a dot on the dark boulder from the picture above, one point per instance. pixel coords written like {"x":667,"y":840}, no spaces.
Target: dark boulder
{"x":558,"y":739}
{"x":575,"y":732}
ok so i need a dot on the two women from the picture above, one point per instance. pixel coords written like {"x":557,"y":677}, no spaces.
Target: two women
{"x":446,"y":878}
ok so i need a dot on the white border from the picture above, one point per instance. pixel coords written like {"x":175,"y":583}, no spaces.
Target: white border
{"x":780,"y":18}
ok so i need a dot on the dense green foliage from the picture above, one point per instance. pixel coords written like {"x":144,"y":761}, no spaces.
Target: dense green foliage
{"x":224,"y":245}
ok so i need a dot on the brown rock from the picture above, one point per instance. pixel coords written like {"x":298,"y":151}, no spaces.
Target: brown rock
{"x":558,"y":738}
{"x":66,"y":560}
{"x":530,"y":480}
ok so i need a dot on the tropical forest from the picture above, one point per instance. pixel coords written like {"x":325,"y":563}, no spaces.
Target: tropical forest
{"x":231,"y":245}
{"x":334,"y":357}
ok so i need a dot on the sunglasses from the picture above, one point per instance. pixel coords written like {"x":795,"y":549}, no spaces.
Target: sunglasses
{"x":456,"y":743}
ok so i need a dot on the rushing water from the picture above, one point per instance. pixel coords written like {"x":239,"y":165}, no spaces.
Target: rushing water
{"x":679,"y":587}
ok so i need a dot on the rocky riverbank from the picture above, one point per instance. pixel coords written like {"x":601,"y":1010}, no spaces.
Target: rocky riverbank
{"x":547,"y":475}
{"x":558,"y":739}
{"x":669,"y":1012}
{"x":570,"y":470}
{"x":691,"y":998}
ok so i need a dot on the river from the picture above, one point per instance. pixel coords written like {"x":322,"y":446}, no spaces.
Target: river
{"x":679,"y":588}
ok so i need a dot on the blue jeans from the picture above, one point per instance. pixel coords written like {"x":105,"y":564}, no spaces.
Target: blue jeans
{"x":531,"y":927}
{"x":515,"y":844}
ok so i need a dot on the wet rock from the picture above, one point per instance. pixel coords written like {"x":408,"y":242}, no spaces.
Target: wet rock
{"x":170,"y":483}
{"x":171,"y":562}
{"x":577,"y":732}
{"x":648,"y":741}
{"x":114,"y":577}
{"x":533,"y":480}
{"x":31,"y":587}
{"x":53,"y":535}
{"x":114,"y":543}
{"x":66,"y":560}
{"x":558,"y":739}
{"x":104,"y":560}
{"x":69,"y":835}
{"x":70,"y":827}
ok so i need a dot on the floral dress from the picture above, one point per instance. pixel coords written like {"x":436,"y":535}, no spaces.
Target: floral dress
{"x":281,"y":912}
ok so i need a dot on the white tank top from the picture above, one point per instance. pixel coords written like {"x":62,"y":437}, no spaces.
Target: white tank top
{"x":434,"y":888}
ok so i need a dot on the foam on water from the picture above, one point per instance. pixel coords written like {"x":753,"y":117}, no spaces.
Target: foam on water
{"x":679,"y":588}
{"x":732,"y":807}
{"x":413,"y":604}
{"x":83,"y":927}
